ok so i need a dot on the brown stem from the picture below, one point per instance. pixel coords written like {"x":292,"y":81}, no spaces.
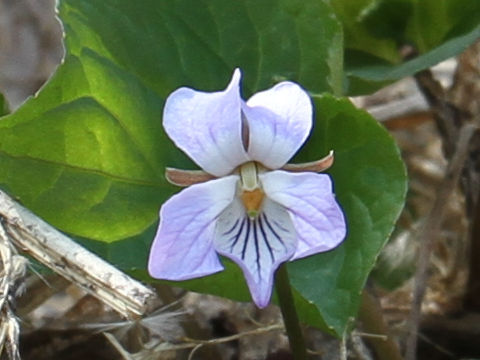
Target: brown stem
{"x":372,"y":319}
{"x":429,"y":232}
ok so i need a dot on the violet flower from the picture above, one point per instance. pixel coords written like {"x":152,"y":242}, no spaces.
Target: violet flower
{"x":247,"y":204}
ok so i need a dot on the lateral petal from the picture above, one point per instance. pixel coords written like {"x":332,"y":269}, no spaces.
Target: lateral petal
{"x":316,"y":215}
{"x":183,"y":246}
{"x":279,"y":121}
{"x":257,"y":245}
{"x":208,"y":126}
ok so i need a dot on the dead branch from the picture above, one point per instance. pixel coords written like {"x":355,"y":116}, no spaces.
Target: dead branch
{"x":64,"y":256}
{"x":430,"y":230}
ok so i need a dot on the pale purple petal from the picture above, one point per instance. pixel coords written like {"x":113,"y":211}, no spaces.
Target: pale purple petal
{"x":183,"y":246}
{"x":279,"y":121}
{"x":208,"y":126}
{"x":257,"y":245}
{"x":316,"y":215}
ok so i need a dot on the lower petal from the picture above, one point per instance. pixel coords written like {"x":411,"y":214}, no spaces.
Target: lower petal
{"x":257,"y":245}
{"x":316,"y":215}
{"x":182,"y":248}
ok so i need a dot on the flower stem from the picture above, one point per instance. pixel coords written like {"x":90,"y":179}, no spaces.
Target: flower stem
{"x":289,"y":313}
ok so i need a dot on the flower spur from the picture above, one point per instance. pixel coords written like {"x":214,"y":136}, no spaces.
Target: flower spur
{"x":248,"y":204}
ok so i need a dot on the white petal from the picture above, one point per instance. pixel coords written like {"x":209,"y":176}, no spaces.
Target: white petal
{"x":208,"y":126}
{"x":316,"y":215}
{"x":183,"y":246}
{"x":258,"y":246}
{"x":279,"y":121}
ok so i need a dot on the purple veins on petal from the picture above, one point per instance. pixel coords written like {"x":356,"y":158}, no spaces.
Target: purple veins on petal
{"x":316,"y":215}
{"x":264,"y":236}
{"x":259,"y":218}
{"x":256,"y":247}
{"x":183,"y":246}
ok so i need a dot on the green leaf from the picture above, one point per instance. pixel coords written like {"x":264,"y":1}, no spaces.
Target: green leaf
{"x":86,"y":157}
{"x":88,"y":154}
{"x":376,"y":31}
{"x":370,"y":184}
{"x":364,"y":78}
{"x":198,"y":43}
{"x":354,"y":15}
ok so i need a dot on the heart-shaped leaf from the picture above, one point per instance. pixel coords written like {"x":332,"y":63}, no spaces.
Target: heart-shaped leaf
{"x":370,"y":184}
{"x":88,"y":153}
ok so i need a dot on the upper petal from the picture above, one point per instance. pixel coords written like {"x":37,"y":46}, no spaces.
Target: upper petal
{"x":257,"y":245}
{"x":208,"y":126}
{"x":316,"y":215}
{"x":182,"y":248}
{"x":279,"y":121}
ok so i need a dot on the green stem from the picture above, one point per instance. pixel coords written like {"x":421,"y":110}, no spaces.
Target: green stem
{"x":289,"y":313}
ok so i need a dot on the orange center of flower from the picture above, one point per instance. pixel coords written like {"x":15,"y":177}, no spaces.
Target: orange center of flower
{"x":252,"y":200}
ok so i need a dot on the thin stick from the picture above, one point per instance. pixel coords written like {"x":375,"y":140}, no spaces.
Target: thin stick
{"x":67,"y":258}
{"x":429,"y":232}
{"x":193,"y":343}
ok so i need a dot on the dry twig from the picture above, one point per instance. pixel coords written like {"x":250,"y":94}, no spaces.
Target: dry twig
{"x":64,"y":256}
{"x":430,"y":230}
{"x":151,"y":352}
